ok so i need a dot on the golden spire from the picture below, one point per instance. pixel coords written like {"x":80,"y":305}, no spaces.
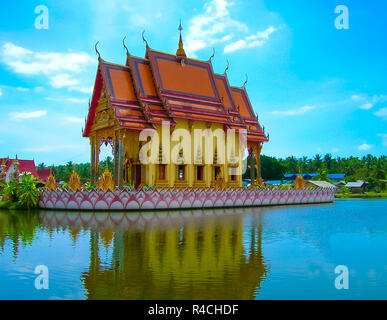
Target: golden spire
{"x":180,"y":51}
{"x":300,"y":182}
{"x":106,"y":182}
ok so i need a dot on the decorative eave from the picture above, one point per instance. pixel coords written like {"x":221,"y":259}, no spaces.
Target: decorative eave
{"x":98,"y":85}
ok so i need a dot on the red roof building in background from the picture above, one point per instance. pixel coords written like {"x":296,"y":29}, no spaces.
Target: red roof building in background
{"x":10,"y":168}
{"x":43,"y":174}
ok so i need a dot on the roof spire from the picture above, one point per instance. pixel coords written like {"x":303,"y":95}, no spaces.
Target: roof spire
{"x":228,"y":65}
{"x":180,"y":51}
{"x":213,"y":54}
{"x":244,"y":83}
{"x":143,"y":39}
{"x":127,"y":51}
{"x":125,"y":47}
{"x":96,"y":51}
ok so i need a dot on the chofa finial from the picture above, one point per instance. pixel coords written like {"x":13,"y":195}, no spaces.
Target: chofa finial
{"x":213,"y":54}
{"x":125,"y":47}
{"x":96,"y":50}
{"x":143,"y":39}
{"x":228,"y":65}
{"x":244,"y":83}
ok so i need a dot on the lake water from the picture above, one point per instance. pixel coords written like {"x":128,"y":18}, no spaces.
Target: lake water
{"x":284,"y":252}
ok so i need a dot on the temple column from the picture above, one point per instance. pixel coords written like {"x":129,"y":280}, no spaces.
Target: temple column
{"x":252,"y":169}
{"x":118,"y":172}
{"x":93,"y":164}
{"x":257,"y":154}
{"x":115,"y":160}
{"x":97,"y":148}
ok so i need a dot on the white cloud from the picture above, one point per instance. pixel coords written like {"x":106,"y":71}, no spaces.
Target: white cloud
{"x":367,"y":101}
{"x":335,"y":150}
{"x":71,"y":119}
{"x":1,"y":92}
{"x":56,"y":66}
{"x":215,"y":25}
{"x":364,"y":147}
{"x":82,"y":89}
{"x":21,"y":89}
{"x":293,"y":112}
{"x":366,"y":106}
{"x":76,"y":100}
{"x":18,"y":116}
{"x":381,"y":113}
{"x":250,"y":41}
{"x":379,"y":98}
{"x":62,"y":80}
{"x":38,"y":89}
{"x":71,"y":100}
{"x":357,"y":97}
{"x":28,"y":62}
{"x":384,"y":138}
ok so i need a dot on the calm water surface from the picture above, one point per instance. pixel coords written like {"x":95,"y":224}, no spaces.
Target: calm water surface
{"x":287,"y":252}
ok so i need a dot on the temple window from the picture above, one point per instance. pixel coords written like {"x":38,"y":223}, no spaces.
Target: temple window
{"x":233,"y":174}
{"x":162,"y":171}
{"x":199,"y":173}
{"x":181,"y":173}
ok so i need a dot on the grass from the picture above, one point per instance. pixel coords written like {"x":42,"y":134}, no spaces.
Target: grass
{"x":366,"y":195}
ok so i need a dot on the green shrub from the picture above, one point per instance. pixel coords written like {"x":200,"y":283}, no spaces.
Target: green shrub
{"x":10,"y":191}
{"x":22,"y":194}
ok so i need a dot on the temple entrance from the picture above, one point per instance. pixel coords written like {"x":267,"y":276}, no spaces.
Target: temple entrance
{"x":105,"y":156}
{"x":137,"y":176}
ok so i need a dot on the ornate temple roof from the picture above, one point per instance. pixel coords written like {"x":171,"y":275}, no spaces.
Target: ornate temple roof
{"x":167,"y":87}
{"x":24,"y":165}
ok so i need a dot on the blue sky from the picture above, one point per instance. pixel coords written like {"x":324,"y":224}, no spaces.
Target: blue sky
{"x":317,"y":89}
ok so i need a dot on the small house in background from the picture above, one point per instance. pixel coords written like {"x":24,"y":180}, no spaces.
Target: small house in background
{"x":336,"y":177}
{"x":356,"y":187}
{"x":306,"y":176}
{"x":319,"y":184}
{"x":277,"y":182}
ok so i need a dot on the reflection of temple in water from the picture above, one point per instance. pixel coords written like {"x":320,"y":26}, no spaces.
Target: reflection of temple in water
{"x":177,"y":255}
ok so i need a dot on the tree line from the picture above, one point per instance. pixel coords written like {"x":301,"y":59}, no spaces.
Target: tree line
{"x":368,"y":168}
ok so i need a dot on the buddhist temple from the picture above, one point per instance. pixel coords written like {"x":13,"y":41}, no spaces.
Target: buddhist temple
{"x":13,"y":168}
{"x":168,"y":94}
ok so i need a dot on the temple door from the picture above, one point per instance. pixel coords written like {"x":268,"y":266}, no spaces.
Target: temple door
{"x":137,"y":180}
